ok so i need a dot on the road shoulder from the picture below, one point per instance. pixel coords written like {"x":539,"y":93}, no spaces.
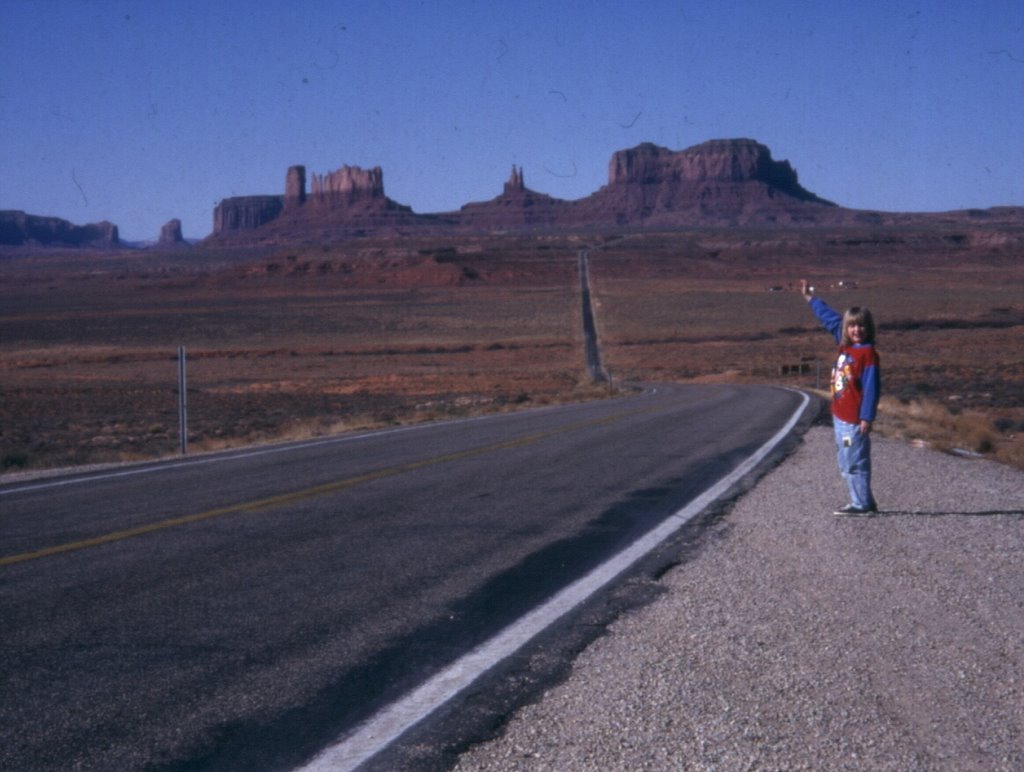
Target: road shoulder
{"x":796,"y":639}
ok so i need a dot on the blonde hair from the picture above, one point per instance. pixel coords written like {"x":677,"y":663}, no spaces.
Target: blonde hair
{"x":862,"y":316}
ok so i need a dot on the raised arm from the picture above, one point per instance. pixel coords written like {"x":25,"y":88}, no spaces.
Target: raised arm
{"x":831,"y":320}
{"x":806,"y":290}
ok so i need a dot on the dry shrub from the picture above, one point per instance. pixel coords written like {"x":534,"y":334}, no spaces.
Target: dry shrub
{"x":940,"y":427}
{"x":1012,"y":453}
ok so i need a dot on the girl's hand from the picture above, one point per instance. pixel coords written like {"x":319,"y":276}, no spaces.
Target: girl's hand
{"x":865,"y":427}
{"x":805,"y":290}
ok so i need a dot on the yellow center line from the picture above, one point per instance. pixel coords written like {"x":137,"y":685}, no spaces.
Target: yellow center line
{"x":269,"y":502}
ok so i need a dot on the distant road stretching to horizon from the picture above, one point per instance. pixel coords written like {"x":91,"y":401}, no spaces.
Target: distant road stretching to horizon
{"x":246,"y":610}
{"x":591,"y":347}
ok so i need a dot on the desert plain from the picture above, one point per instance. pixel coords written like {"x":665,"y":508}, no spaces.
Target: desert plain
{"x":292,"y":342}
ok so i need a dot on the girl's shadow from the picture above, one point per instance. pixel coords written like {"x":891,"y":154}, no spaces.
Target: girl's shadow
{"x":1018,"y":513}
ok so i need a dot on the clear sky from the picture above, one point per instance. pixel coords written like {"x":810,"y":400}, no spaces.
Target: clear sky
{"x":138,"y":111}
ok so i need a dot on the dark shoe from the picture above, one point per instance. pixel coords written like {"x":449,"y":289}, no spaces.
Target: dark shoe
{"x":852,"y":511}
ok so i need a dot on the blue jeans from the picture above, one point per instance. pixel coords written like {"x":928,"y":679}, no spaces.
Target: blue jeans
{"x":855,"y":462}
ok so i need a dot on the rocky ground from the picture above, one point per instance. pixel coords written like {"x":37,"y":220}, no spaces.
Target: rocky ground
{"x":798,"y":640}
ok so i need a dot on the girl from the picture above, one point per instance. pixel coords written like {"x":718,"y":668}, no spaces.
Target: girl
{"x":856,"y":383}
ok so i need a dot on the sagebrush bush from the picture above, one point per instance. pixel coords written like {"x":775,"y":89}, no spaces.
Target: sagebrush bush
{"x":950,"y":428}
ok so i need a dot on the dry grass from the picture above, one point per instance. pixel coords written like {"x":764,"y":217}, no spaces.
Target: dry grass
{"x":967,"y":432}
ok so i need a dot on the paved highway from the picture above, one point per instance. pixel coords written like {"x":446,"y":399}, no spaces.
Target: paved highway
{"x":245,"y":610}
{"x":591,"y":349}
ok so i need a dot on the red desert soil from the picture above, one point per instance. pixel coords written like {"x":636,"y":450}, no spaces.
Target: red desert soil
{"x":294,"y":342}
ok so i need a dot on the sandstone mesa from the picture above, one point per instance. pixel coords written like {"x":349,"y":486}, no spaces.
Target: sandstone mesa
{"x":719,"y":183}
{"x":18,"y":228}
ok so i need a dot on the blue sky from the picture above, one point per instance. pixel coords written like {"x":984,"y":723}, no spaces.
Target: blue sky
{"x":138,"y":111}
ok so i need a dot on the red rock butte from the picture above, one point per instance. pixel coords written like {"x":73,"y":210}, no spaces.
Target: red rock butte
{"x":720,"y":182}
{"x":18,"y":229}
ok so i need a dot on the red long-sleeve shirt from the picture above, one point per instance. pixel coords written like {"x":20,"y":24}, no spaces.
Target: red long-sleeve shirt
{"x":856,"y":374}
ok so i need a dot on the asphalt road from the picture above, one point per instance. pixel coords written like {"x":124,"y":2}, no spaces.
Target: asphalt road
{"x":243,"y":611}
{"x":591,"y":349}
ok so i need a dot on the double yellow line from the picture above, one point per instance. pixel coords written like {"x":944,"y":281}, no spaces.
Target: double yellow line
{"x":293,"y":497}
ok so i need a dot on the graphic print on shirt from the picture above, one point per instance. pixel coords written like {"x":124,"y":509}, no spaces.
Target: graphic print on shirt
{"x":842,"y":373}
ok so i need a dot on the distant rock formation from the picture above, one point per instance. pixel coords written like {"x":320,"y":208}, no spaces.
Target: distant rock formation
{"x":720,"y":183}
{"x":733,"y":181}
{"x":170,"y":234}
{"x":20,"y":229}
{"x":242,"y":213}
{"x":728,"y":160}
{"x":347,"y":201}
{"x":348,"y":185}
{"x":517,"y":206}
{"x":515,"y":182}
{"x":295,"y":187}
{"x":723,"y":182}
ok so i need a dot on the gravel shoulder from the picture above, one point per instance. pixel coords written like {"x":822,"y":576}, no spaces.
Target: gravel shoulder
{"x":799,"y":640}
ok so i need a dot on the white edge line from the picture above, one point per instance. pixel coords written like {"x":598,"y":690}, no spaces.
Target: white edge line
{"x":379,"y":731}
